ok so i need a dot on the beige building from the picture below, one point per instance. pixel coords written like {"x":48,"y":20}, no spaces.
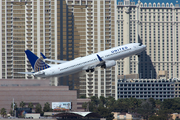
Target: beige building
{"x":26,"y":24}
{"x":155,"y":25}
{"x":36,"y":91}
{"x":41,"y":26}
{"x":122,"y":116}
{"x":95,"y":21}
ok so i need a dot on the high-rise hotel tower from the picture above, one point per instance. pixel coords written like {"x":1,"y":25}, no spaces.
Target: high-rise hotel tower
{"x":26,"y":24}
{"x":40,"y":26}
{"x":61,"y":29}
{"x":95,"y":21}
{"x":157,"y":26}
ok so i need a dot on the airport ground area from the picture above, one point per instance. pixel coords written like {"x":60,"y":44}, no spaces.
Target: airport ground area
{"x":38,"y":95}
{"x":131,"y":108}
{"x":58,"y":101}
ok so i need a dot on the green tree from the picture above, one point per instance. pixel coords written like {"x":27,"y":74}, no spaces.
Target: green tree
{"x":22,"y":104}
{"x":15,"y":105}
{"x":158,"y":104}
{"x":104,"y":112}
{"x":94,"y":103}
{"x":95,"y":100}
{"x":146,"y":110}
{"x":92,"y":106}
{"x":47,"y":107}
{"x":30,"y":105}
{"x":154,"y":117}
{"x":38,"y":108}
{"x":153,"y":102}
{"x":3,"y":112}
{"x":133,"y":103}
{"x":167,"y":104}
{"x":164,"y":114}
{"x":83,"y":96}
{"x":102,"y":101}
{"x":119,"y":106}
{"x":11,"y":112}
{"x":110,"y":102}
{"x":85,"y":105}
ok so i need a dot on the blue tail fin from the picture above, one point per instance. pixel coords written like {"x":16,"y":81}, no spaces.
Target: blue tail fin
{"x":36,"y":62}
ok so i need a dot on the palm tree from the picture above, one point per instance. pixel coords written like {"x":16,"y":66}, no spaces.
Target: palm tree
{"x":15,"y":105}
{"x":11,"y":112}
{"x":103,"y":101}
{"x":85,"y":105}
{"x":110,"y":101}
{"x":30,"y":105}
{"x":3,"y":112}
{"x":22,"y":104}
{"x":47,"y":107}
{"x":38,"y":108}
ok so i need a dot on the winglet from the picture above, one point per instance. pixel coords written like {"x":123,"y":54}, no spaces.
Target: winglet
{"x":100,"y":59}
{"x":44,"y":57}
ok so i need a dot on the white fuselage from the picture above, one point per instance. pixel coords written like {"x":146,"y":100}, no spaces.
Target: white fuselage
{"x":78,"y":64}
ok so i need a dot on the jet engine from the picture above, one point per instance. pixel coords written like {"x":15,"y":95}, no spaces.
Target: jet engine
{"x":109,"y":64}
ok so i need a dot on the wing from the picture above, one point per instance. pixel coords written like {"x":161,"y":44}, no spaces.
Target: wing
{"x":101,"y":63}
{"x":51,"y":60}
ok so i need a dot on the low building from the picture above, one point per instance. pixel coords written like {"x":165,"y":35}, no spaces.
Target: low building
{"x":78,"y":116}
{"x":35,"y":91}
{"x":175,"y":116}
{"x":80,"y":103}
{"x":147,"y":88}
{"x":122,"y":116}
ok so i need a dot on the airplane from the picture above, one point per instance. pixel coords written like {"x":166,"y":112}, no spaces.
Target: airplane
{"x":104,"y":59}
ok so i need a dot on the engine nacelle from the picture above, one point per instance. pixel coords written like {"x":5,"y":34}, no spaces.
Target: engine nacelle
{"x":109,"y":64}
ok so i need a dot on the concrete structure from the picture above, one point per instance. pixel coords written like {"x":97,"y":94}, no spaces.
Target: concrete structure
{"x":155,"y":25}
{"x":177,"y":88}
{"x":148,"y":88}
{"x":34,"y":91}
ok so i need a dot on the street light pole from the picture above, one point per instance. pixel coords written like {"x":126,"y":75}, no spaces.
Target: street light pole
{"x":13,"y":107}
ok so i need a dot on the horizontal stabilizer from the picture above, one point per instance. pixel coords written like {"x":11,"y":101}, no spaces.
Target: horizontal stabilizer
{"x":50,"y":60}
{"x":44,"y":57}
{"x":29,"y":73}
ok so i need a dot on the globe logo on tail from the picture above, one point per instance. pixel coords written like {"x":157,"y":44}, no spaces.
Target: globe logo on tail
{"x":40,"y":65}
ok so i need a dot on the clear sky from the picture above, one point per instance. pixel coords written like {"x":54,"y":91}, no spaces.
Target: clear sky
{"x":156,"y":1}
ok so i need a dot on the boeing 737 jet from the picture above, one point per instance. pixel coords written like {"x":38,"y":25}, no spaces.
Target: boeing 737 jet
{"x":104,"y":59}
